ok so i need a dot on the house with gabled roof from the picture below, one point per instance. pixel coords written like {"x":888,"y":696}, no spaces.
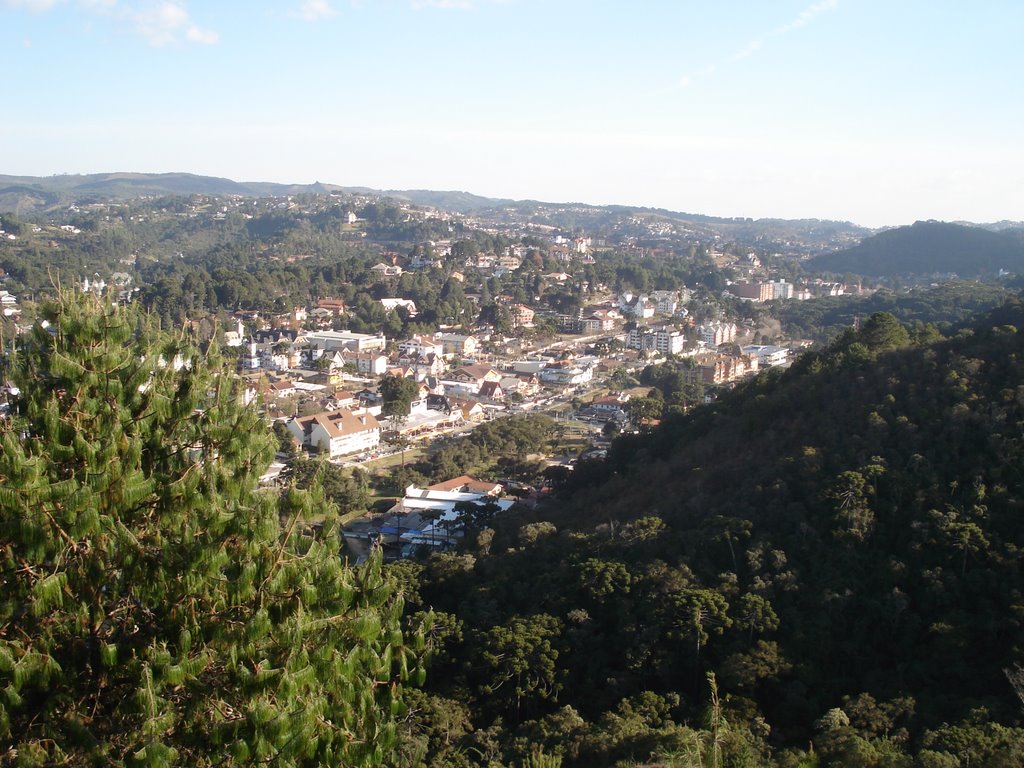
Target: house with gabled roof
{"x":491,"y":391}
{"x":421,"y":346}
{"x":335,"y":306}
{"x":471,"y":410}
{"x":371,"y":363}
{"x":457,"y":344}
{"x":337,"y":433}
{"x":390,"y":305}
{"x":475,"y":374}
{"x":386,"y":270}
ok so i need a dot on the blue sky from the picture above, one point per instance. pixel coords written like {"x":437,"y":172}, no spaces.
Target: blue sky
{"x":880,"y":112}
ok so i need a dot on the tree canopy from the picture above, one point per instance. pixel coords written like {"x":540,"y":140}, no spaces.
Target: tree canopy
{"x":154,"y":610}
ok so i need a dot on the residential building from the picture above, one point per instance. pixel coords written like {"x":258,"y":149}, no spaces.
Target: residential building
{"x":457,"y":345}
{"x":390,"y":305}
{"x":665,"y":302}
{"x":475,"y":375}
{"x":421,"y":346}
{"x":491,"y":391}
{"x":332,"y":340}
{"x":335,"y":306}
{"x":371,"y":363}
{"x":337,"y":433}
{"x":767,"y":355}
{"x":719,"y":369}
{"x":472,"y":411}
{"x":717,"y":333}
{"x":667,"y":341}
{"x":522,"y":315}
{"x":234,"y":337}
{"x":780,"y":289}
{"x":566,"y":373}
{"x":751,"y":291}
{"x":636,"y":305}
{"x":599,"y":321}
{"x":422,"y":366}
{"x":386,"y":270}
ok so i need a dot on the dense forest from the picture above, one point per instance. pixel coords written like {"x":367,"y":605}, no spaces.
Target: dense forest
{"x":929,"y":248}
{"x":945,"y":306}
{"x":827,"y":560}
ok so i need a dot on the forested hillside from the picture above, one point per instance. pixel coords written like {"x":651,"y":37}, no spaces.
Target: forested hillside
{"x":929,"y":248}
{"x":838,"y":545}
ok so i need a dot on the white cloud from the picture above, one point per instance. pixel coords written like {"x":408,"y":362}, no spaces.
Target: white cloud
{"x":748,"y":50}
{"x":802,"y":19}
{"x":161,"y":23}
{"x":201,"y":36}
{"x":806,"y":16}
{"x":168,"y":22}
{"x":36,"y":6}
{"x":314,"y":10}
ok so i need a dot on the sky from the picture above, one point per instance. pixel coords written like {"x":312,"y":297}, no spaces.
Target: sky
{"x":878,"y":112}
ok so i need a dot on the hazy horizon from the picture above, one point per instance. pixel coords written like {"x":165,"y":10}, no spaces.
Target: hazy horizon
{"x":843,"y":110}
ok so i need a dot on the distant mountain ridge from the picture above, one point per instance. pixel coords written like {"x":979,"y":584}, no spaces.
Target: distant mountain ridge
{"x":28,"y":194}
{"x":24,"y":194}
{"x":930,"y":247}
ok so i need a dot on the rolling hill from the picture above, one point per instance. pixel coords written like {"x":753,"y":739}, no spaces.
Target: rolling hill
{"x":929,"y":248}
{"x":838,"y":543}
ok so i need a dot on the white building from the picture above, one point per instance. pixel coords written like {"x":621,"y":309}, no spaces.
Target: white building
{"x":717,"y":333}
{"x":390,"y":305}
{"x":436,"y":511}
{"x":638,"y":306}
{"x":337,"y":433}
{"x":665,"y":340}
{"x":236,"y":336}
{"x":367,"y":363}
{"x":332,"y":340}
{"x":421,"y":346}
{"x":767,"y":355}
{"x":780,"y":289}
{"x":567,"y":375}
{"x":665,"y":302}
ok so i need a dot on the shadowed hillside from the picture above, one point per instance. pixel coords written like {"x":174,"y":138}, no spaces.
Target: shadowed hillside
{"x":928,"y":248}
{"x":838,"y":544}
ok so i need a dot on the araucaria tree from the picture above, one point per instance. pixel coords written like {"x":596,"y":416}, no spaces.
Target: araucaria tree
{"x":156,"y":607}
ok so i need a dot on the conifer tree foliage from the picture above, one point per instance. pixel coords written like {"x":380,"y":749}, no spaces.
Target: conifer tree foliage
{"x":156,"y":607}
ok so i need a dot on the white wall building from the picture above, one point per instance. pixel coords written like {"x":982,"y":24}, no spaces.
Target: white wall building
{"x":337,"y":433}
{"x":331,"y":340}
{"x":767,"y":355}
{"x":717,"y":333}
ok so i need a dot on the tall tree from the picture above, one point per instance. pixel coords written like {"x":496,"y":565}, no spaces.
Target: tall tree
{"x":398,"y":393}
{"x":154,"y":609}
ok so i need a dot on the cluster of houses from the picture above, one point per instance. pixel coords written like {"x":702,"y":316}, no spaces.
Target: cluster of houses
{"x":298,"y":370}
{"x":324,"y":368}
{"x":773,"y":290}
{"x":337,"y":372}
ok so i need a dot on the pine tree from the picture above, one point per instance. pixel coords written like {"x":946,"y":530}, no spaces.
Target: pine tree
{"x":157,"y":608}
